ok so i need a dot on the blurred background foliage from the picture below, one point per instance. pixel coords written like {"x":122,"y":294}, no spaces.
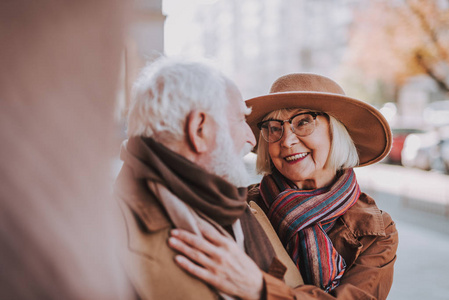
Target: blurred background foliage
{"x":392,"y":41}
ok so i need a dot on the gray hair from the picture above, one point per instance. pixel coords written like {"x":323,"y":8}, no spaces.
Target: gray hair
{"x":168,"y":90}
{"x":342,"y":155}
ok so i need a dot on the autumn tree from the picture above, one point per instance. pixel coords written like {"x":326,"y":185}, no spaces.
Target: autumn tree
{"x":393,"y":40}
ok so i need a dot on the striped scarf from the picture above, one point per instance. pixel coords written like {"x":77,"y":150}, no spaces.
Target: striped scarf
{"x":302,"y":220}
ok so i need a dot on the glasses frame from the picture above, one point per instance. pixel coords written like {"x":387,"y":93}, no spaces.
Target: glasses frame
{"x":312,"y":113}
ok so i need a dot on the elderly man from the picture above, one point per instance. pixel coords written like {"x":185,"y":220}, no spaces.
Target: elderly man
{"x":182,"y":163}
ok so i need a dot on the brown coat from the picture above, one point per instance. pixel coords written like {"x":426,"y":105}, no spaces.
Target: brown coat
{"x":367,"y":239}
{"x":147,"y":257}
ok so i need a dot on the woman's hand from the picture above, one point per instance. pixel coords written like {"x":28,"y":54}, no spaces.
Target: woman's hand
{"x":218,"y":261}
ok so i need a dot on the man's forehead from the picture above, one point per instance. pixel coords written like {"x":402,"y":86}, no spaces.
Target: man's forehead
{"x":240,"y":106}
{"x":235,"y":98}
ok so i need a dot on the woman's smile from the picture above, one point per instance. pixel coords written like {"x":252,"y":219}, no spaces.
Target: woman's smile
{"x":295,"y":158}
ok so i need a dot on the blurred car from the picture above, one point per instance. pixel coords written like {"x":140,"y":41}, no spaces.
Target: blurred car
{"x":419,"y":150}
{"x":427,"y":151}
{"x":444,"y":146}
{"x":399,"y":136}
{"x":437,"y":113}
{"x":444,"y":151}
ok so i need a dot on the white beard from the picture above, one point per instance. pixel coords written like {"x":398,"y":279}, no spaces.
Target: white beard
{"x":228,"y":164}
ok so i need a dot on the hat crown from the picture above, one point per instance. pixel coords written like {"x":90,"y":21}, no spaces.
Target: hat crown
{"x":303,"y":82}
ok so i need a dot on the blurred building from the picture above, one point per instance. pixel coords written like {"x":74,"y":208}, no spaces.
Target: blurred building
{"x":144,"y":43}
{"x":147,"y":28}
{"x":256,"y":41}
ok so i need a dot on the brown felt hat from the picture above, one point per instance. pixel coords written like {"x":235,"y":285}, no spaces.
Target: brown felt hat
{"x":366,"y":125}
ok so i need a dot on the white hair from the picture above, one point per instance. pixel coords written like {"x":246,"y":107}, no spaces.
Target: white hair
{"x":168,"y":90}
{"x":342,"y":155}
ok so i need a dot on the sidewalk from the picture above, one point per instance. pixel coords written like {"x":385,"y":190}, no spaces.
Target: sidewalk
{"x":418,"y":189}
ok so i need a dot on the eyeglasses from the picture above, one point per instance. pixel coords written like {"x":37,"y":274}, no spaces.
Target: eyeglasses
{"x":302,"y":124}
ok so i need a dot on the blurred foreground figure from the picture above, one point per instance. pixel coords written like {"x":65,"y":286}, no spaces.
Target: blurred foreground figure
{"x":59,"y":70}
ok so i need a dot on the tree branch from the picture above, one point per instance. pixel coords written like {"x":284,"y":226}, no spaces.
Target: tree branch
{"x":428,"y":70}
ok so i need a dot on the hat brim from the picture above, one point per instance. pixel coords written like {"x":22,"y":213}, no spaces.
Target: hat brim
{"x":367,"y":127}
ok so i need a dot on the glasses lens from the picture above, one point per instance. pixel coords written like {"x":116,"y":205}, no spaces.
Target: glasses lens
{"x":272,"y":131}
{"x":303,"y":125}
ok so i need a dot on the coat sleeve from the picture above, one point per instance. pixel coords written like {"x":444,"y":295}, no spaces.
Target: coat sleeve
{"x":369,"y":277}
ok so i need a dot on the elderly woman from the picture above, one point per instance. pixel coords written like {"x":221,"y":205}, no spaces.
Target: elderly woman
{"x":310,"y":137}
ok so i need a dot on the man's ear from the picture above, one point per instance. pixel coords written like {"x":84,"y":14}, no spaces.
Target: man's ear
{"x":199,"y":131}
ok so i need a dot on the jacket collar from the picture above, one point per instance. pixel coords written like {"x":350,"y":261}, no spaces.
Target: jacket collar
{"x":364,"y":218}
{"x":139,"y":199}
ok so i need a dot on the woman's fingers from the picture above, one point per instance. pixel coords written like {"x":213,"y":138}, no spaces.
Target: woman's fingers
{"x":220,"y":278}
{"x":211,"y":234}
{"x":218,"y":261}
{"x":194,"y":240}
{"x":204,"y":274}
{"x":192,"y":248}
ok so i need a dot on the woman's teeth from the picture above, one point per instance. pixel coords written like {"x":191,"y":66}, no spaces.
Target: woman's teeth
{"x":295,"y":157}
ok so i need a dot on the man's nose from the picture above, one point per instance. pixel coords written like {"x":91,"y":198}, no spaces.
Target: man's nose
{"x":250,"y":138}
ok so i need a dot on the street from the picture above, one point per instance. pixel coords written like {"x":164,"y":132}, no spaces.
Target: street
{"x":422,"y":258}
{"x":418,"y":202}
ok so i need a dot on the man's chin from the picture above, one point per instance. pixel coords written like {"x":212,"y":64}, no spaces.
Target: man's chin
{"x":227,"y":164}
{"x":246,"y":150}
{"x":239,"y":182}
{"x":234,"y":173}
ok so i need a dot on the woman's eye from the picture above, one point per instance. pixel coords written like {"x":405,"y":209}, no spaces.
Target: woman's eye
{"x":301,"y":123}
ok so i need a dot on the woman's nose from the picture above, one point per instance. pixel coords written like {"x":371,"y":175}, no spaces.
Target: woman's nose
{"x":289,"y":138}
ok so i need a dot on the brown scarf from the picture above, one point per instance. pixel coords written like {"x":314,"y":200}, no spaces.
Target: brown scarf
{"x":206,"y":193}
